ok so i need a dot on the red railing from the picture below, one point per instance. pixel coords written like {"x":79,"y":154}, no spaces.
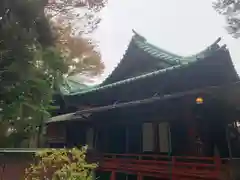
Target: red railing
{"x":175,"y":168}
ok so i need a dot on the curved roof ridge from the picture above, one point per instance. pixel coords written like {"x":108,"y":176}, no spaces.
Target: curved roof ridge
{"x":142,"y":39}
{"x":155,"y":51}
{"x":143,"y":76}
{"x":129,"y":80}
{"x":71,"y":85}
{"x":205,"y":52}
{"x":174,"y":58}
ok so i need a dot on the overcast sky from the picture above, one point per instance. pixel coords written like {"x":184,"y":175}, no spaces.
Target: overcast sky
{"x":183,"y":27}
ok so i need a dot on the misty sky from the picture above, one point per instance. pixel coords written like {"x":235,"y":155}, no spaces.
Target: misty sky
{"x":183,"y":27}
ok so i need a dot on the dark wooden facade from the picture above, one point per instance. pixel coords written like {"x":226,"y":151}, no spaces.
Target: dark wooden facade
{"x":177,"y":126}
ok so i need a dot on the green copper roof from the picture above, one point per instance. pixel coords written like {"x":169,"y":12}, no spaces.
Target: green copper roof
{"x":70,"y":86}
{"x":174,"y":61}
{"x":127,"y":80}
{"x":154,"y":51}
{"x":171,"y":58}
{"x":154,"y":73}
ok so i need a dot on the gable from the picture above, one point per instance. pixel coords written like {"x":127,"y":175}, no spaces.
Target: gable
{"x":137,"y":61}
{"x":142,"y":57}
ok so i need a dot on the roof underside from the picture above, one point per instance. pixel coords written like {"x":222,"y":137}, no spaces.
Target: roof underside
{"x":142,"y":60}
{"x":225,"y":93}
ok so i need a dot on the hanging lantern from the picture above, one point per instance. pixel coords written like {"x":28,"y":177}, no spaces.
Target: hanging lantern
{"x":199,"y":100}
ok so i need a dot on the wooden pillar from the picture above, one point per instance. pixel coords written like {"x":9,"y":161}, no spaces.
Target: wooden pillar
{"x":113,"y":175}
{"x":127,"y":143}
{"x":156,"y":137}
{"x":218,"y":168}
{"x":173,"y":169}
{"x":95,"y":138}
{"x":106,"y":139}
{"x":89,"y":138}
{"x":190,"y":123}
{"x":127,"y":139}
{"x":139,"y":176}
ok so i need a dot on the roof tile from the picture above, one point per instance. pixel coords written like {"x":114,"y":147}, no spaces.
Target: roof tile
{"x":174,"y":60}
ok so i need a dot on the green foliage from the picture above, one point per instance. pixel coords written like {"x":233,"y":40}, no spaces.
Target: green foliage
{"x":73,"y":22}
{"x":81,"y":15}
{"x":61,"y":164}
{"x":230,"y":9}
{"x":78,"y":52}
{"x":30,"y":67}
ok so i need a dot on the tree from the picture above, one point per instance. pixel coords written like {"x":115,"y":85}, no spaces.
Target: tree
{"x":231,"y":10}
{"x":32,"y":65}
{"x":81,"y":15}
{"x":70,"y":21}
{"x":80,"y":53}
{"x":61,"y":164}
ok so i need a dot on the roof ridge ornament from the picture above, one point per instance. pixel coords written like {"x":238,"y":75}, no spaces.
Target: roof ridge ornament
{"x":138,"y":36}
{"x":218,"y":40}
{"x":224,"y":47}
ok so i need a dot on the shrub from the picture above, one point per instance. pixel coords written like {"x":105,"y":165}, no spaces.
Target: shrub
{"x":60,"y":164}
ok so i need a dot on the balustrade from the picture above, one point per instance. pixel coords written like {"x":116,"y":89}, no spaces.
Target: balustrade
{"x":159,"y":166}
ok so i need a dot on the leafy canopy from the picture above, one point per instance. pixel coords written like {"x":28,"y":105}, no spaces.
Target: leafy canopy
{"x":29,"y":65}
{"x":231,"y":10}
{"x":32,"y":64}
